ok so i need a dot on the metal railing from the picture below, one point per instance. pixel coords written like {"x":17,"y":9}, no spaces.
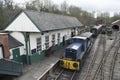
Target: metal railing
{"x":10,"y":67}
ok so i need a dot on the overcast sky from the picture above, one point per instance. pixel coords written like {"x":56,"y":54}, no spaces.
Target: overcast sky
{"x":90,"y":5}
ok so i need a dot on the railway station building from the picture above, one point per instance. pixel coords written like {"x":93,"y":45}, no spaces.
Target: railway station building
{"x":41,"y":31}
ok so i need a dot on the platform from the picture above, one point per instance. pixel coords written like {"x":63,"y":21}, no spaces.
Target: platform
{"x":35,"y":71}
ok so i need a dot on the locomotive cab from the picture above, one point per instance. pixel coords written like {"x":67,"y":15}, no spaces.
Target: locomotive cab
{"x":74,"y":53}
{"x":88,"y":35}
{"x":82,"y":40}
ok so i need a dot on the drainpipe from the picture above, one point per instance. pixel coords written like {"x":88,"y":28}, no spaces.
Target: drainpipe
{"x":26,"y":37}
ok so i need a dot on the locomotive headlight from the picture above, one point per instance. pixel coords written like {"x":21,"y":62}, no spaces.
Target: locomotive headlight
{"x":61,"y":62}
{"x":75,"y":65}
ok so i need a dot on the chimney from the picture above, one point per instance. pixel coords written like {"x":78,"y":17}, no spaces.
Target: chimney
{"x":4,"y":42}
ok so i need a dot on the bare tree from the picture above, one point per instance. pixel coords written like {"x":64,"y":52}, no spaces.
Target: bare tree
{"x":115,"y":17}
{"x":7,"y":12}
{"x":64,"y":7}
{"x":104,"y":18}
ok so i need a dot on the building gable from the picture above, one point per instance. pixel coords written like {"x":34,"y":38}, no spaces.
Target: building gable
{"x":23,"y":24}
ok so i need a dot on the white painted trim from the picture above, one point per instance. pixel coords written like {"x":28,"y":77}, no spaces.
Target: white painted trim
{"x":23,"y":24}
{"x":79,"y":37}
{"x":1,"y":53}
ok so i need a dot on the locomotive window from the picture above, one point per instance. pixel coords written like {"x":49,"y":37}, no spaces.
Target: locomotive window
{"x":77,"y":40}
{"x":70,"y":54}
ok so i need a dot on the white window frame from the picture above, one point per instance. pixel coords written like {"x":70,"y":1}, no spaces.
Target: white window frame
{"x":53,"y":39}
{"x":46,"y":42}
{"x":39,"y":44}
{"x":58,"y":38}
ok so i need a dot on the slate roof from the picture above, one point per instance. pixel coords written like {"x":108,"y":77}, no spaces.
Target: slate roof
{"x":13,"y":43}
{"x":50,"y":21}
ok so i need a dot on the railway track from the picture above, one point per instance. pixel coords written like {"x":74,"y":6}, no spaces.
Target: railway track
{"x":101,"y":53}
{"x":109,"y":63}
{"x":66,"y":75}
{"x":101,"y":71}
{"x":104,"y":61}
{"x":116,"y":73}
{"x":62,"y":74}
{"x":91,"y":64}
{"x":96,"y":68}
{"x":113,"y":63}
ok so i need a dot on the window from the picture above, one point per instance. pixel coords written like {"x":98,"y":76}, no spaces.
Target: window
{"x":53,"y":39}
{"x":33,"y":51}
{"x":70,"y":53}
{"x":46,"y":42}
{"x":39,"y":48}
{"x":58,"y":39}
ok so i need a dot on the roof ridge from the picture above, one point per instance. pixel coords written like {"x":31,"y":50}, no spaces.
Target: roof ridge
{"x":49,"y":13}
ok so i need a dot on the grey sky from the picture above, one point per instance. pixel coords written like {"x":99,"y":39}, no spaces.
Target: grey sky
{"x":90,"y":5}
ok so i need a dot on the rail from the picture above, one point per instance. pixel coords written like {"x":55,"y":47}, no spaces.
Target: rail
{"x":103,"y":60}
{"x":90,"y":66}
{"x":113,"y":61}
{"x":66,"y":75}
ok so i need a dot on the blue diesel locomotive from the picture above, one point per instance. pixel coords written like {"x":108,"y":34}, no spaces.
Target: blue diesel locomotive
{"x":75,"y":52}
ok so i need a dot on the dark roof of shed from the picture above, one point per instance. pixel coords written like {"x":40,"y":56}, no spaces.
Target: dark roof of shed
{"x":13,"y":43}
{"x":50,"y":21}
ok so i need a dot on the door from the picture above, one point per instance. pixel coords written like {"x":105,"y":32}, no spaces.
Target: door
{"x":16,"y":55}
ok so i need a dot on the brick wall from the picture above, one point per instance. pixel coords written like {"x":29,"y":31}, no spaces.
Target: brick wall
{"x":4,"y":42}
